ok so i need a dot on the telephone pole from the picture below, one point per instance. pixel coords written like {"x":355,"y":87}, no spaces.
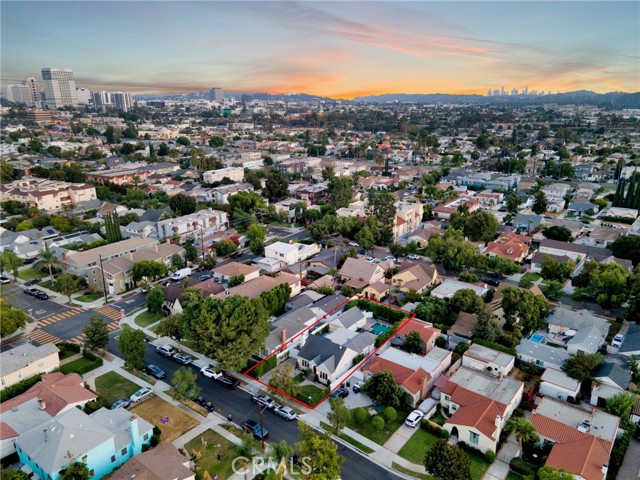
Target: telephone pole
{"x":104,"y":283}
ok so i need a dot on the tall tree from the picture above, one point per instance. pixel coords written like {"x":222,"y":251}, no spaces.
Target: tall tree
{"x":131,"y":344}
{"x":282,"y":380}
{"x":583,"y":367}
{"x":629,"y":199}
{"x":256,"y":235}
{"x":148,"y":269}
{"x":451,"y":250}
{"x":155,"y":299}
{"x":340,"y":191}
{"x":540,"y":203}
{"x":320,"y":453}
{"x":609,"y":285}
{"x":67,"y":284}
{"x":184,"y":384}
{"x":447,"y":462}
{"x":522,"y":429}
{"x":112,"y":228}
{"x":413,"y":343}
{"x":339,"y":415}
{"x":481,"y":225}
{"x":182,"y":204}
{"x":524,"y":307}
{"x":96,"y":333}
{"x":382,"y":388}
{"x":10,"y":261}
{"x":276,"y":187}
{"x":381,"y":206}
{"x":513,"y":202}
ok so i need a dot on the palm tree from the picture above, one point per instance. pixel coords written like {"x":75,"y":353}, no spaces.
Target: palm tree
{"x":522,"y":429}
{"x":47,"y":259}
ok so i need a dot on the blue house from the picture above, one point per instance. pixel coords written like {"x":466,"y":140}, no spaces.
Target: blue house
{"x":103,"y":440}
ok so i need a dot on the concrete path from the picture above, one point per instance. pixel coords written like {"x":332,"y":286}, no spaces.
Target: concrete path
{"x":499,"y":469}
{"x":630,"y":469}
{"x":399,"y":438}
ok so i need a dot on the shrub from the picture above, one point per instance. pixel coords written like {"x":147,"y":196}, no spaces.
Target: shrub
{"x":269,"y":364}
{"x":490,"y":456}
{"x":378,"y":423}
{"x":92,"y":356}
{"x":433,"y":428}
{"x":468,"y":277}
{"x":360,"y":415}
{"x":444,"y":433}
{"x":523,"y":467}
{"x":358,"y":358}
{"x":496,"y":346}
{"x":390,"y":414}
{"x":68,"y":347}
{"x":18,"y":388}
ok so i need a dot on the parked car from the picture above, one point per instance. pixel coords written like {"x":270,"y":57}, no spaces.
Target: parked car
{"x":414,"y":419}
{"x":497,"y":275}
{"x":180,"y":274}
{"x":353,"y":244}
{"x":166,"y":350}
{"x":33,"y":281}
{"x":235,"y":254}
{"x":489,"y":281}
{"x":204,"y":276}
{"x":391,"y":257}
{"x":340,"y":392}
{"x":183,"y":358}
{"x":142,"y":394}
{"x":145,"y":289}
{"x":369,"y":259}
{"x":617,"y":340}
{"x":209,"y":372}
{"x":4,"y":280}
{"x":285,"y":412}
{"x":264,"y":401}
{"x":29,"y":261}
{"x":254,"y":427}
{"x":154,"y":371}
{"x":122,"y":403}
{"x":228,"y":381}
{"x":40,"y":295}
{"x":362,"y":251}
{"x":31,"y":291}
{"x":356,"y":387}
{"x":413,"y":256}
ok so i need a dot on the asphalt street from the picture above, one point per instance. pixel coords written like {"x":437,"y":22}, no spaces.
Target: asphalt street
{"x":239,"y":405}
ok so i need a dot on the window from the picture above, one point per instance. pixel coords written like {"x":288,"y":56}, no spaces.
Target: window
{"x":473,"y":438}
{"x":454,"y":407}
{"x":146,"y":437}
{"x":123,"y":451}
{"x":540,"y":363}
{"x":447,"y":397}
{"x":84,"y":459}
{"x":113,"y":458}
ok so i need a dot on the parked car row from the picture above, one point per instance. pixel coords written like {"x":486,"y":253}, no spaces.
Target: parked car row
{"x":222,"y":378}
{"x":34,"y":292}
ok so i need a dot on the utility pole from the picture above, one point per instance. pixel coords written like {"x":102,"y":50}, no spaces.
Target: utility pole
{"x":104,"y":282}
{"x":261,"y":408}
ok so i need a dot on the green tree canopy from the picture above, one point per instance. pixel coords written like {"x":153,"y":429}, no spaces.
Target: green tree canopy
{"x":540,"y":203}
{"x":96,"y":333}
{"x":276,"y":187}
{"x":413,"y":343}
{"x":226,"y":247}
{"x":131,"y":344}
{"x":257,"y":235}
{"x":480,"y":225}
{"x":556,"y":232}
{"x":184,"y":384}
{"x":148,"y":269}
{"x":447,"y":462}
{"x":320,"y":452}
{"x":382,"y":388}
{"x":451,"y":250}
{"x":523,"y":307}
{"x":155,"y":299}
{"x":182,"y":204}
{"x":381,"y":206}
{"x":340,"y":191}
{"x":582,"y":367}
{"x":12,"y":318}
{"x":67,"y":284}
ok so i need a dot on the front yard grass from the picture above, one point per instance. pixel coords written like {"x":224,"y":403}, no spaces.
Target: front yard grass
{"x":530,"y":277}
{"x":31,"y":273}
{"x":141,"y":375}
{"x":111,"y":386}
{"x":411,"y":473}
{"x":310,"y":394}
{"x":80,"y":366}
{"x":213,"y":453}
{"x":49,"y":285}
{"x":347,"y":438}
{"x":147,"y":318}
{"x":415,"y":449}
{"x":514,"y":476}
{"x":379,"y":437}
{"x":89,"y":297}
{"x":478,"y":464}
{"x":154,"y":409}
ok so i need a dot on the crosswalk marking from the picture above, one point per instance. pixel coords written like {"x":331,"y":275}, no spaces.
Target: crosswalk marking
{"x":61,"y":316}
{"x":109,"y":311}
{"x":41,"y":337}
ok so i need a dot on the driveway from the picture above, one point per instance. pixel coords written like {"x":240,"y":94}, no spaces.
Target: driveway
{"x":630,"y":469}
{"x":399,"y":438}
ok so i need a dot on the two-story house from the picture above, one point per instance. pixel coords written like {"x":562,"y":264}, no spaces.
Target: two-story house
{"x":25,"y":361}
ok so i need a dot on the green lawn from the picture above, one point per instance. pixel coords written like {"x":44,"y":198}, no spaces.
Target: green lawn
{"x":311,"y":394}
{"x":90,"y":297}
{"x":147,"y":318}
{"x":478,"y":465}
{"x":141,"y":375}
{"x":380,"y":437}
{"x":209,"y":447}
{"x":49,"y":285}
{"x":80,"y":366}
{"x":411,"y":473}
{"x":112,"y":386}
{"x":347,"y":438}
{"x":514,"y":476}
{"x":531,"y":277}
{"x":415,"y":449}
{"x":30,"y":274}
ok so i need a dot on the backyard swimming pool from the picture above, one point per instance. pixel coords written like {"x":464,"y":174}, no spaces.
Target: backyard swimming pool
{"x":537,"y":337}
{"x":379,"y":328}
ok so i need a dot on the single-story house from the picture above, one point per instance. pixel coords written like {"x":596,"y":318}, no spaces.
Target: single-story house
{"x":541,"y":355}
{"x":485,"y":359}
{"x":612,"y":377}
{"x":556,"y":384}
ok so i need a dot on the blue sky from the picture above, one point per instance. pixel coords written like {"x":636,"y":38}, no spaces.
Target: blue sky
{"x":339,"y":49}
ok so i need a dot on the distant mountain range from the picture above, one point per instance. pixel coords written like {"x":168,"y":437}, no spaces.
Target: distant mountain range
{"x":614,"y":99}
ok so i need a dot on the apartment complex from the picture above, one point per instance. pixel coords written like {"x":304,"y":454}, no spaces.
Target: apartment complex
{"x":232,"y":173}
{"x":48,"y":195}
{"x":59,"y":87}
{"x":198,"y":224}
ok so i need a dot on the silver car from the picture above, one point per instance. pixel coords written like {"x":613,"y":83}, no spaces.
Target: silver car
{"x":285,"y":412}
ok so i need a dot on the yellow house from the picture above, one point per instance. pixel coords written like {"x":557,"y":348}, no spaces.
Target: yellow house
{"x":416,"y":277}
{"x":26,"y":361}
{"x":376,"y":291}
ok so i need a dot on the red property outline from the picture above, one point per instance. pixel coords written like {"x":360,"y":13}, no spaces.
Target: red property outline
{"x":355,"y":368}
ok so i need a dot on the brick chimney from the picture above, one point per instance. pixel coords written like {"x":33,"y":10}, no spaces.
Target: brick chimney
{"x":283,"y":336}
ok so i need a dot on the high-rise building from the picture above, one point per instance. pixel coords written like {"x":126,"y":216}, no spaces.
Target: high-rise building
{"x":17,"y":93}
{"x":122,"y":101}
{"x":502,"y":90}
{"x":35,"y":90}
{"x":525,"y":91}
{"x":514,"y":91}
{"x":216,"y":94}
{"x":489,"y":93}
{"x":496,"y":93}
{"x":101,"y":99}
{"x":59,"y":87}
{"x":84,"y":96}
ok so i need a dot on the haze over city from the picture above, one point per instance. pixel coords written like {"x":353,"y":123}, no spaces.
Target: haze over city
{"x":340,"y":50}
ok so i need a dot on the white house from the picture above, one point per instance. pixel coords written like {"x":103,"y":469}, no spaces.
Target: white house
{"x":197,"y":225}
{"x":556,"y":384}
{"x":290,"y":253}
{"x":26,"y":361}
{"x":232,"y":173}
{"x":485,"y":359}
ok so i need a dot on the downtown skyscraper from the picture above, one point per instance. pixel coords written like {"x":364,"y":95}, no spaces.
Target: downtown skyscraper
{"x":59,"y":87}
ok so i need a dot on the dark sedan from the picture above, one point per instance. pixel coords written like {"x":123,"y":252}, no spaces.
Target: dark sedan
{"x":154,"y":371}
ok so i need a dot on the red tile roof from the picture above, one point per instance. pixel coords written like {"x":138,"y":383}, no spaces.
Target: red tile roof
{"x":583,"y":457}
{"x":410,"y":379}
{"x":7,"y":432}
{"x":560,"y":433}
{"x":428,"y":333}
{"x":482,"y":416}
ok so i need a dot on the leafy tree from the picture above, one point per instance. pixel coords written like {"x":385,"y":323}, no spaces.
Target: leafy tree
{"x":481,"y":225}
{"x":216,"y":141}
{"x":276,"y":187}
{"x":447,"y":462}
{"x":24,"y":225}
{"x":276,"y":299}
{"x":182,"y":204}
{"x":524,"y":307}
{"x":609,"y":284}
{"x":365,"y":238}
{"x":178,"y":261}
{"x":340,"y":191}
{"x":413,"y":343}
{"x":131,"y":344}
{"x":12,"y":318}
{"x":434,"y":310}
{"x":76,"y":471}
{"x":523,"y":430}
{"x":236,"y":280}
{"x":550,"y":473}
{"x":540,"y":203}
{"x":155,"y":299}
{"x":556,"y":232}
{"x":381,"y":206}
{"x":382,"y":388}
{"x":633,"y":309}
{"x":451,"y":250}
{"x":552,"y":289}
{"x":191,"y":252}
{"x":257,"y":235}
{"x":247,"y":202}
{"x":6,"y":173}
{"x":582,"y":367}
{"x":209,"y":259}
{"x":282,"y":379}
{"x":13,"y":474}
{"x":112,"y":135}
{"x":553,"y":269}
{"x":465,"y":300}
{"x":621,"y":405}
{"x":360,"y":415}
{"x":339,"y":415}
{"x":627,"y":247}
{"x":390,"y":414}
{"x":378,"y":423}
{"x":172,"y":327}
{"x":487,"y":328}
{"x":67,"y":284}
{"x":321,"y":453}
{"x":163,"y":149}
{"x":184,"y":384}
{"x":318,"y":231}
{"x":184,"y":141}
{"x":96,"y":333}
{"x":148,"y":269}
{"x":513,"y":202}
{"x":225,"y":247}
{"x":112,"y":228}
{"x":10,"y":261}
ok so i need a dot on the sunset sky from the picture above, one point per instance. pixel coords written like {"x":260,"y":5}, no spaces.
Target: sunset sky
{"x":337,"y":49}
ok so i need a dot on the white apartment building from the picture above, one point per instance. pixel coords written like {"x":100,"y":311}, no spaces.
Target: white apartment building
{"x":232,"y":173}
{"x":199,"y":224}
{"x":59,"y":87}
{"x":48,"y":195}
{"x":290,"y":253}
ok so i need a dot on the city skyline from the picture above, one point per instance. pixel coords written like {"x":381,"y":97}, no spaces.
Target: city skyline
{"x":338,"y":50}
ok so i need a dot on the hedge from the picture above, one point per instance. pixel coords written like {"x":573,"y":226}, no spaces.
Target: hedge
{"x":391,"y":315}
{"x":496,"y":346}
{"x":269,"y":364}
{"x":523,"y":467}
{"x":607,"y":218}
{"x":93,"y":357}
{"x":18,"y":388}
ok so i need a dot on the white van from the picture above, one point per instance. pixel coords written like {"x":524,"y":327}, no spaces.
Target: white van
{"x":180,"y":274}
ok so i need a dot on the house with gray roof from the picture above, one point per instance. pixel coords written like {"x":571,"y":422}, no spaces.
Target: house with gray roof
{"x":612,"y":377}
{"x":631,"y":342}
{"x":305,"y":299}
{"x":103,"y":440}
{"x":330,"y":306}
{"x":326,"y":360}
{"x":541,"y":355}
{"x":26,"y":361}
{"x":288,"y":331}
{"x":352,"y":319}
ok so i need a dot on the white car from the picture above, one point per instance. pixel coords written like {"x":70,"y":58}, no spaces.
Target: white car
{"x":391,"y":257}
{"x":142,"y":394}
{"x":210,"y":373}
{"x":413,"y":256}
{"x":617,"y":340}
{"x":166,"y":350}
{"x":264,"y":401}
{"x":354,"y":244}
{"x":4,"y":280}
{"x":369,"y":259}
{"x":285,"y":412}
{"x":414,"y":419}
